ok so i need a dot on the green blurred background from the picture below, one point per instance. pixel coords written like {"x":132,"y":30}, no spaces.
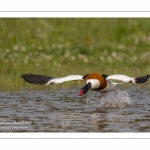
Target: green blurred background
{"x":63,"y":46}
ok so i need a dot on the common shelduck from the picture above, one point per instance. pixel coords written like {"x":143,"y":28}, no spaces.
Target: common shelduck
{"x":93,"y":81}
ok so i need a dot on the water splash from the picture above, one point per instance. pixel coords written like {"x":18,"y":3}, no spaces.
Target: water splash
{"x":111,"y":99}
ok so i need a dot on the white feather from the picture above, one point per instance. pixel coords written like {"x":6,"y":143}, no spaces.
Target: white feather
{"x":110,"y":86}
{"x":64,"y":79}
{"x":94,"y":82}
{"x":123,"y":78}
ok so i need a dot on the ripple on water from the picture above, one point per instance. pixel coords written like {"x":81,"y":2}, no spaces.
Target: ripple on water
{"x":64,"y":111}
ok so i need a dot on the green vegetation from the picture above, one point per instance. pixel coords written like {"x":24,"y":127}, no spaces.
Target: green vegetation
{"x":62,"y":46}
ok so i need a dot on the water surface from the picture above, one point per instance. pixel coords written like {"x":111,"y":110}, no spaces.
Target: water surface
{"x":65,"y":111}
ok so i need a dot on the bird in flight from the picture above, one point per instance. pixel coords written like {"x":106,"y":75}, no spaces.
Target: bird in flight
{"x":93,"y":81}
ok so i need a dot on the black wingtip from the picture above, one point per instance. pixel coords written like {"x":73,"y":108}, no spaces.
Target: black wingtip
{"x":23,"y":75}
{"x":36,"y":79}
{"x":142,"y":79}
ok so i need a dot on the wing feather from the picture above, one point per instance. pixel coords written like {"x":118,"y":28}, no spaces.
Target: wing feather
{"x":65,"y":79}
{"x":45,"y":80}
{"x":122,"y":78}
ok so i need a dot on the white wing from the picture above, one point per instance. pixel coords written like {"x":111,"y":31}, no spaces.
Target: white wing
{"x":123,"y":78}
{"x":45,"y":80}
{"x":64,"y":79}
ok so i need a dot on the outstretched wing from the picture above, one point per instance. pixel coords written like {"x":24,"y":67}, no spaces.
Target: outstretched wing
{"x":127,"y":79}
{"x":45,"y":80}
{"x":119,"y":77}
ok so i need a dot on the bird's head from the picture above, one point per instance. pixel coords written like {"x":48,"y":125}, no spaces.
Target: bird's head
{"x":85,"y":89}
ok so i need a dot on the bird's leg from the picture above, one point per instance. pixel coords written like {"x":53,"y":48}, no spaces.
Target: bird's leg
{"x":116,"y":91}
